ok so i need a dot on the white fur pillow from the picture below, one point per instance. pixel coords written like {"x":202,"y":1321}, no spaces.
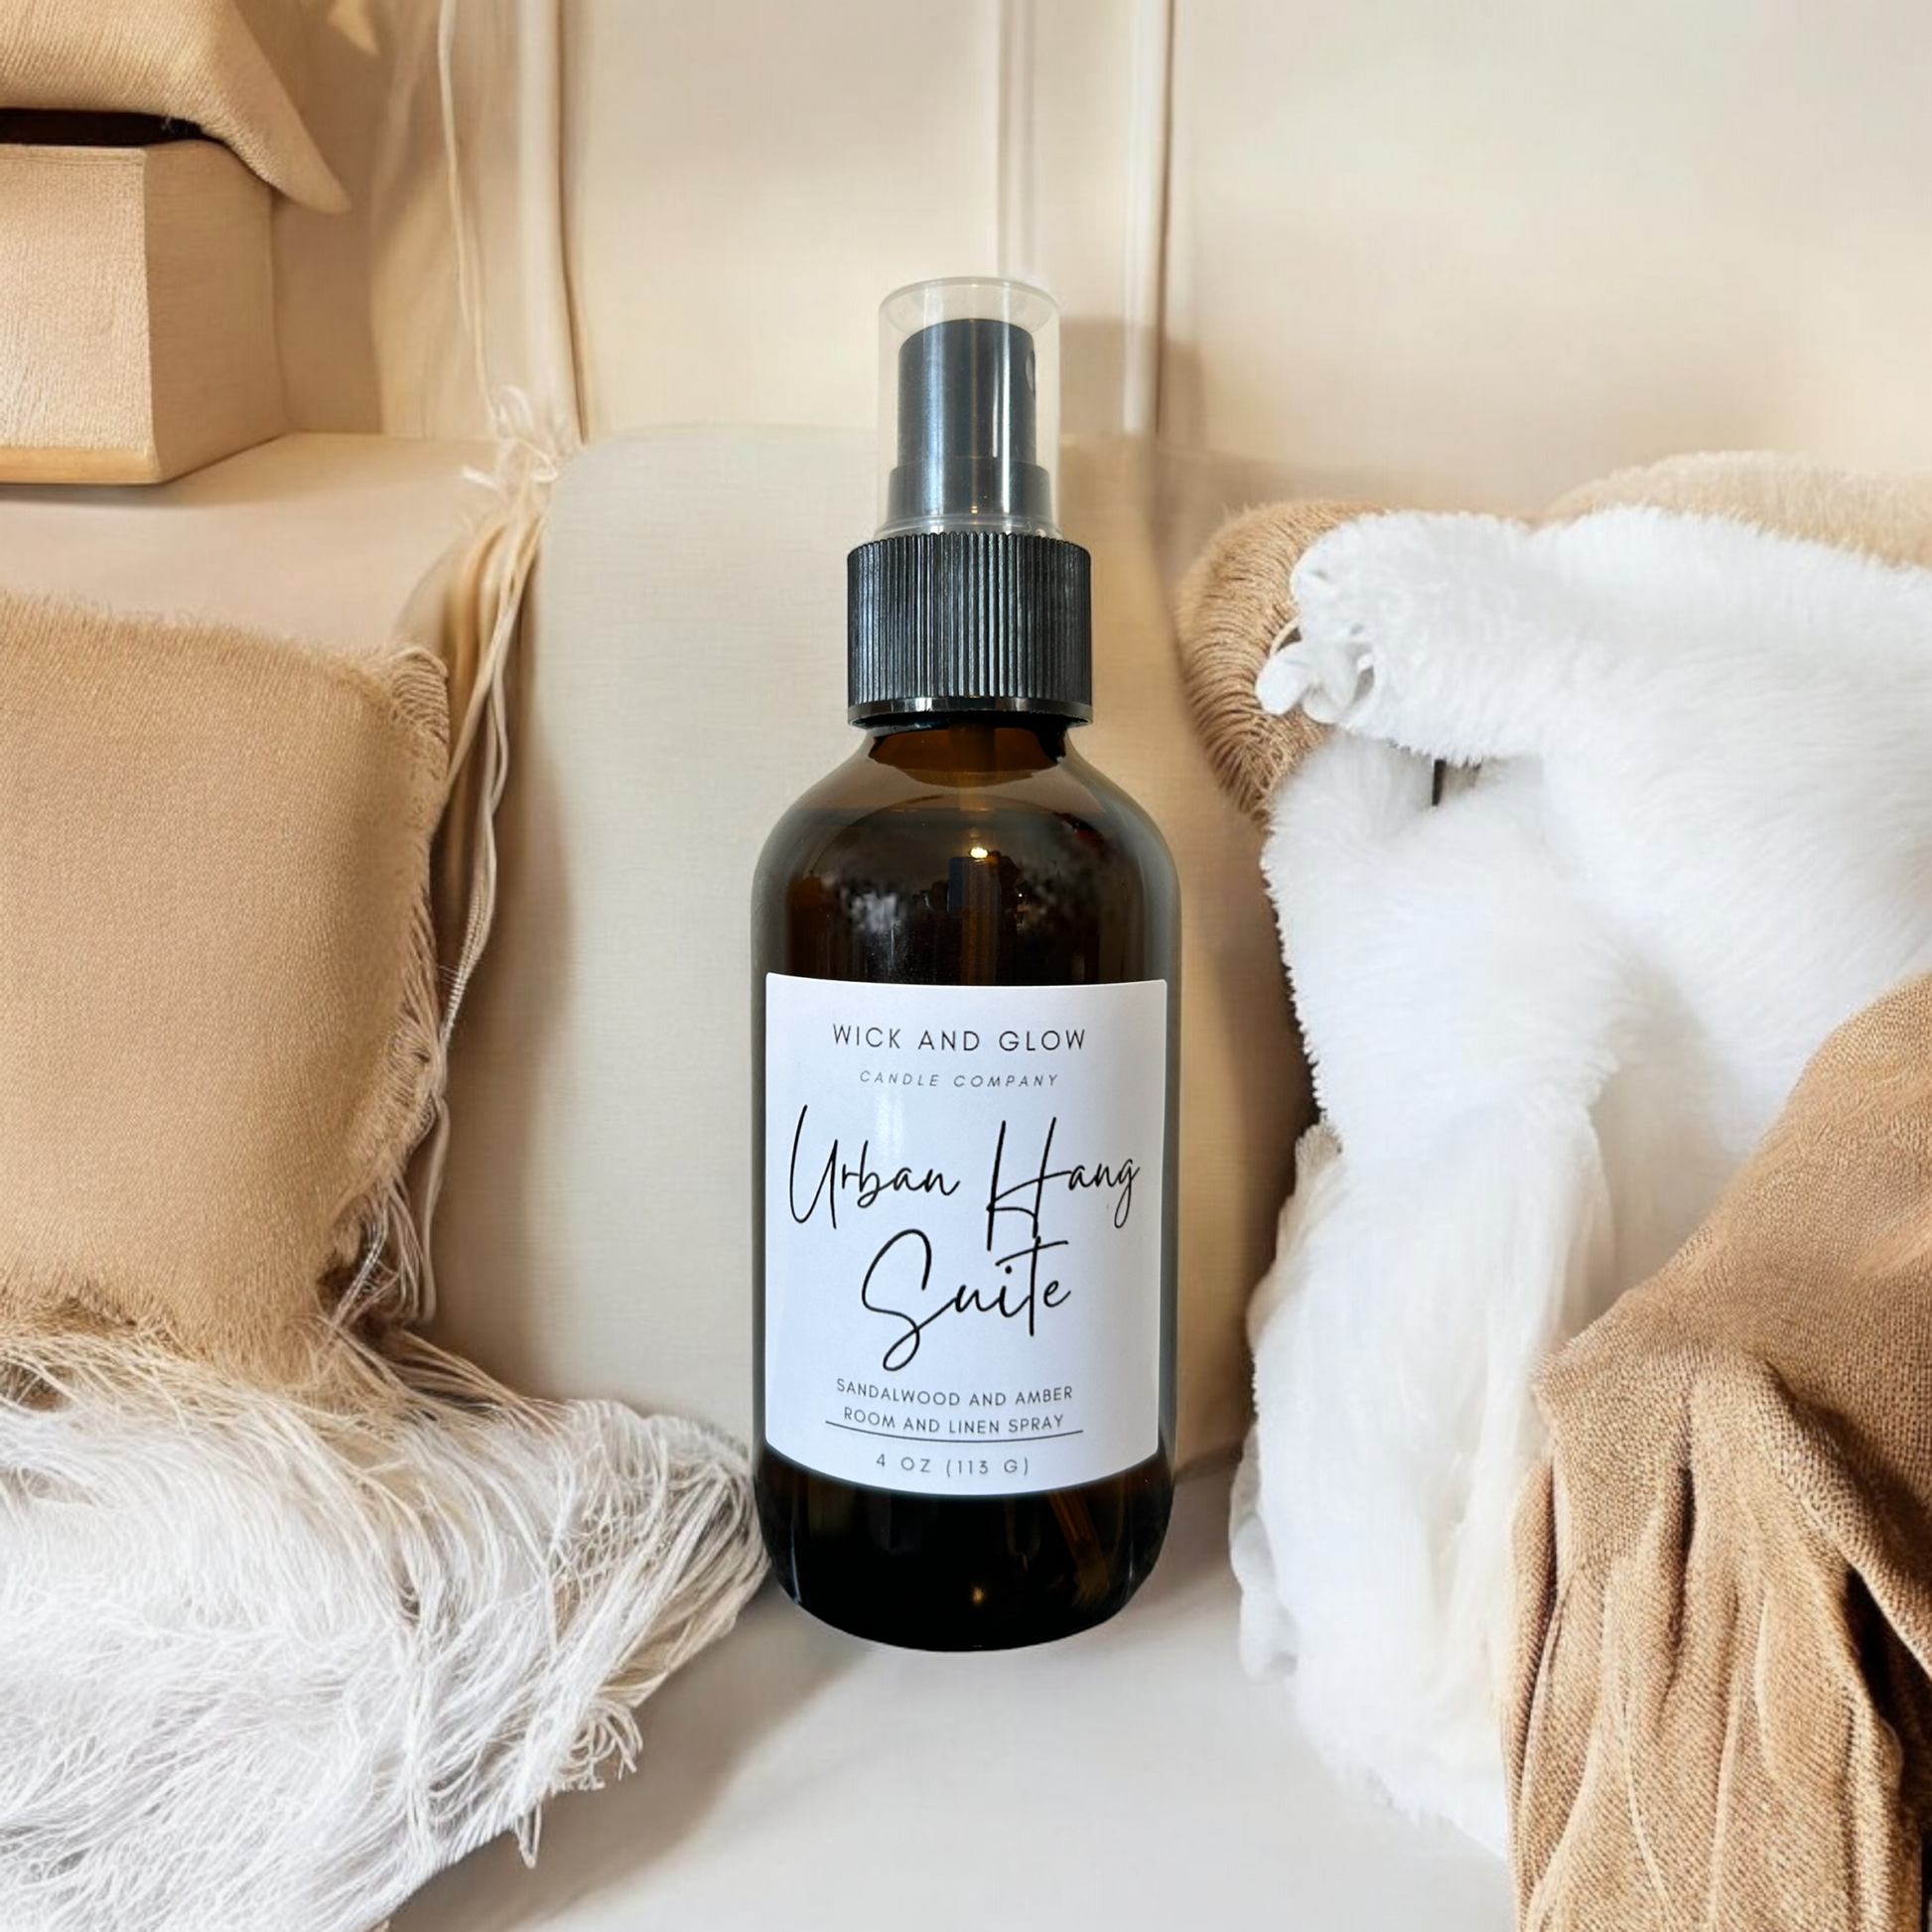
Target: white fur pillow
{"x":1548,"y":1019}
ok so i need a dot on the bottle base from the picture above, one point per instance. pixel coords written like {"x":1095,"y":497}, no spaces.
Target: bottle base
{"x":956,"y":1640}
{"x":956,"y":1573}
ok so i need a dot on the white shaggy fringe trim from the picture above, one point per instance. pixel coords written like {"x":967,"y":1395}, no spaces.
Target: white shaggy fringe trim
{"x":269,"y":1663}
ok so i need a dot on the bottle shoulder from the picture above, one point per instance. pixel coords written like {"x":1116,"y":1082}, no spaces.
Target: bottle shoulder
{"x":862,"y":811}
{"x":973,"y":855}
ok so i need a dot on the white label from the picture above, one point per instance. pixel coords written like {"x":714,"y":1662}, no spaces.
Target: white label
{"x":962,"y":1231}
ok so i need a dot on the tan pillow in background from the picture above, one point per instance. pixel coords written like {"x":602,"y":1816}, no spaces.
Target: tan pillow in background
{"x":217,"y":988}
{"x":193,"y":61}
{"x":1231,"y":611}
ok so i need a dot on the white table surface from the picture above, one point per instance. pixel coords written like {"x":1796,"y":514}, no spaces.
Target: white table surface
{"x":796,"y":1780}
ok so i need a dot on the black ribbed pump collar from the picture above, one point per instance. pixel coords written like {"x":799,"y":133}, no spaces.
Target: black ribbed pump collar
{"x":969,"y":619}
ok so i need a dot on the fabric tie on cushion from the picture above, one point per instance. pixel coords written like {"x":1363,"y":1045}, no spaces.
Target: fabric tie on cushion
{"x":1720,"y":1712}
{"x":192,"y":61}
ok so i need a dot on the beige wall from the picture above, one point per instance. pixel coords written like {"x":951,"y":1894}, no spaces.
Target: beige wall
{"x":746,"y":181}
{"x":1461,"y":253}
{"x":1457,"y":253}
{"x":1483,"y":251}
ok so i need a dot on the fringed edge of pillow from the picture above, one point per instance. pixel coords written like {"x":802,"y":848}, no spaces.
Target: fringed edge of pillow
{"x":471,"y":603}
{"x":378,"y":1248}
{"x":1232,"y":608}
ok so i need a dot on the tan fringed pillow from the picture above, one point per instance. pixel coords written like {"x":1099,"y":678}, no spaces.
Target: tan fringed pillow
{"x":217,"y":984}
{"x":194,"y":61}
{"x":1234,"y":603}
{"x":1231,"y":610}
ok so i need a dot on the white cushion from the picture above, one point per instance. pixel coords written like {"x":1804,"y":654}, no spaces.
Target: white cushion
{"x":682,"y":681}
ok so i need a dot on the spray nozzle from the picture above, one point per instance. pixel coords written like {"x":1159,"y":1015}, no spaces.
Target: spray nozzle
{"x":970,"y":399}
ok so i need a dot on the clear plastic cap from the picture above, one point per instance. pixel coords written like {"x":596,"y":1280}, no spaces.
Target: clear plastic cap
{"x":969,"y":407}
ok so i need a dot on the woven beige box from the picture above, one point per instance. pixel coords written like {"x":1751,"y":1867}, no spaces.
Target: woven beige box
{"x":137,"y":315}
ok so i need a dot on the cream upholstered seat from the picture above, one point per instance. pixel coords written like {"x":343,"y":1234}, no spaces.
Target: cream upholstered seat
{"x":325,"y":538}
{"x":1127,"y":1780}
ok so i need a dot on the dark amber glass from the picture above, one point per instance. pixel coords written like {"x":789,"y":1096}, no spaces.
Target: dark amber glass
{"x":969,"y":851}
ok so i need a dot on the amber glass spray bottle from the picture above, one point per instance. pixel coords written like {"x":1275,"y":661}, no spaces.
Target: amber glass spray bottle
{"x":965,"y":951}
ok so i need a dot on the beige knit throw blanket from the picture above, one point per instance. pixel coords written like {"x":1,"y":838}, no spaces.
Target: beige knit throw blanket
{"x":294,"y":1610}
{"x":1720,"y":1714}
